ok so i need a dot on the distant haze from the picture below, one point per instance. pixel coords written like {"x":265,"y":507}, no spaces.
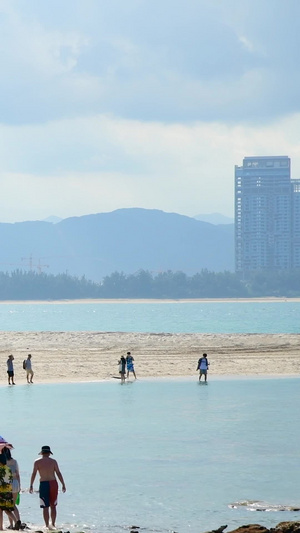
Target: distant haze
{"x":110,"y":105}
{"x":215,"y":218}
{"x":53,"y":219}
{"x":212,"y":218}
{"x":125,"y":240}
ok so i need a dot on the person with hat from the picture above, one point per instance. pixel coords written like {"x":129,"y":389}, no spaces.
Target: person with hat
{"x":16,"y":486}
{"x":48,"y":470}
{"x":6,"y":495}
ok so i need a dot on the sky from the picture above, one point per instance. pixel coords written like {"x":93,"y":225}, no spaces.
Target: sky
{"x":109,"y":104}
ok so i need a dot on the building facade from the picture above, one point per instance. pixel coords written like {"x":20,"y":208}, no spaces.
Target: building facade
{"x":267,"y":215}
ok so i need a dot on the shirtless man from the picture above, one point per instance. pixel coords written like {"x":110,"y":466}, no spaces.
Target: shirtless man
{"x":48,"y":470}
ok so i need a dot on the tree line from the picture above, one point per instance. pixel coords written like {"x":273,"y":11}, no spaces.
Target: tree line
{"x":30,"y":285}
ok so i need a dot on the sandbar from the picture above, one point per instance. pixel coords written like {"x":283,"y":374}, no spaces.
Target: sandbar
{"x":93,"y":356}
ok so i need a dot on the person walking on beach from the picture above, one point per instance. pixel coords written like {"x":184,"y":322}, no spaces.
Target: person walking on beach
{"x":28,"y":368}
{"x":122,"y":368}
{"x":130,"y":365}
{"x":48,"y":470}
{"x":202,"y":366}
{"x":16,"y":486}
{"x":10,"y":370}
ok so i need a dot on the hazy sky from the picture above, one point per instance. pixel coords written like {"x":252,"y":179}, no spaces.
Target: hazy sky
{"x":142,"y":103}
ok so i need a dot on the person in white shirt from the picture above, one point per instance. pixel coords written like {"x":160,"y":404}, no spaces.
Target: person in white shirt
{"x":202,"y":366}
{"x":28,"y":368}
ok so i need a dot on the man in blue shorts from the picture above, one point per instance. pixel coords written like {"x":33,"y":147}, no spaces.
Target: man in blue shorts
{"x":203,"y":367}
{"x":48,"y":470}
{"x":130,"y":365}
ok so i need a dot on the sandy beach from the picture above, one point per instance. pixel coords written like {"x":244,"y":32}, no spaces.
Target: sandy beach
{"x":93,"y":356}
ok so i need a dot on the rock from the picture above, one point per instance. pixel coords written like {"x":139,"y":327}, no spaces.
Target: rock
{"x":251,"y":528}
{"x":219,"y":530}
{"x":282,"y":527}
{"x":287,"y":527}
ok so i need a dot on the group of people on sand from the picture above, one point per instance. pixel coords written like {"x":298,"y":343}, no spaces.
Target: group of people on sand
{"x":27,"y":366}
{"x":10,"y":486}
{"x":126,"y":364}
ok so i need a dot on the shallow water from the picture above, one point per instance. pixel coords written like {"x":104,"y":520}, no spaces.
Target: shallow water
{"x":174,"y":317}
{"x":163,"y":455}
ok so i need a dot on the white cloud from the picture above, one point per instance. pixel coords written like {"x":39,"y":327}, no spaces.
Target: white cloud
{"x":102,"y":163}
{"x":35,"y":51}
{"x":149,"y":104}
{"x":171,"y":61}
{"x":248,"y":44}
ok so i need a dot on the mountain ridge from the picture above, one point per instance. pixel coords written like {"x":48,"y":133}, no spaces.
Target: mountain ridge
{"x":125,"y":240}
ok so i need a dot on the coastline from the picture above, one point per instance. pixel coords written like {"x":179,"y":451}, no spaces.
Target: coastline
{"x":150,"y":300}
{"x":67,"y":357}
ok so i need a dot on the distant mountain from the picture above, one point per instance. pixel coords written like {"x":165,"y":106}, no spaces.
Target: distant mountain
{"x":53,"y":219}
{"x":125,"y":240}
{"x":215,"y":218}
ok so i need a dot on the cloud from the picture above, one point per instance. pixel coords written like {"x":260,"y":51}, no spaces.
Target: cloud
{"x":101,"y":163}
{"x":164,"y":60}
{"x":142,"y":104}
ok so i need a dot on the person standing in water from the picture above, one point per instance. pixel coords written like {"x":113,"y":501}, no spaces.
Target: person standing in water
{"x":202,"y":366}
{"x":48,"y":470}
{"x":122,"y":368}
{"x":28,"y":368}
{"x":16,"y":486}
{"x":10,"y":370}
{"x":130,"y":365}
{"x":6,"y":495}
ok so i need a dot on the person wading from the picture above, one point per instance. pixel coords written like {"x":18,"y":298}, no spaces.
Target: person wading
{"x":48,"y":470}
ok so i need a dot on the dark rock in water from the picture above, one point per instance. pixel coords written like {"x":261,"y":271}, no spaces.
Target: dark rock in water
{"x":251,"y":528}
{"x":282,"y":527}
{"x":219,"y":530}
{"x":287,"y":527}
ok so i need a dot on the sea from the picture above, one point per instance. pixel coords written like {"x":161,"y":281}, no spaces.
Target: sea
{"x":164,"y":455}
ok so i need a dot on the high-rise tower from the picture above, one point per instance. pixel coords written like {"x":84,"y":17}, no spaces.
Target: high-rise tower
{"x":267,"y":215}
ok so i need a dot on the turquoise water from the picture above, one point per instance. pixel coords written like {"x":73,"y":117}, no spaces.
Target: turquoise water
{"x":177,"y":317}
{"x":163,"y":455}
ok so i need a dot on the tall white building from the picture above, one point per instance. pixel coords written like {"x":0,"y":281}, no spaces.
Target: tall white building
{"x":267,"y":215}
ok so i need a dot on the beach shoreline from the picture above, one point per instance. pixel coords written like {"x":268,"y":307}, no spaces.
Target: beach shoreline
{"x":149,"y":300}
{"x":68,"y":357}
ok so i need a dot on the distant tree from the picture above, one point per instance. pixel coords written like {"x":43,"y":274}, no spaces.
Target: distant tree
{"x":114,"y":286}
{"x":24,"y":285}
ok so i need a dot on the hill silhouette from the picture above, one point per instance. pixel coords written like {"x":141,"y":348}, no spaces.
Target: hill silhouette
{"x":125,"y":240}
